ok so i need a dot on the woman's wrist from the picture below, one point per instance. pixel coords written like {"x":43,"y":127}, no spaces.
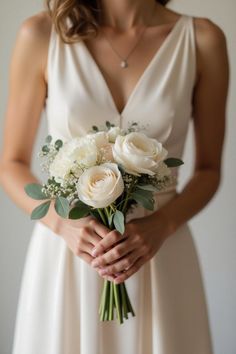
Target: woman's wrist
{"x":166,"y":222}
{"x":195,"y":195}
{"x":52,"y":220}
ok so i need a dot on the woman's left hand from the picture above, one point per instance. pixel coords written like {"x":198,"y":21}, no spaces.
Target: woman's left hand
{"x":117,"y":253}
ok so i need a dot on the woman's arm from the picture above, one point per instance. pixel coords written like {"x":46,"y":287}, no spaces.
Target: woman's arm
{"x":26,"y":99}
{"x":146,"y":235}
{"x":209,"y":118}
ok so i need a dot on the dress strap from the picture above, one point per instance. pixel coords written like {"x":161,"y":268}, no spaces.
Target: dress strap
{"x":51,"y":53}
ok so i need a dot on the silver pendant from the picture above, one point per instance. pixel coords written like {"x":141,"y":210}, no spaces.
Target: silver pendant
{"x":124,"y":64}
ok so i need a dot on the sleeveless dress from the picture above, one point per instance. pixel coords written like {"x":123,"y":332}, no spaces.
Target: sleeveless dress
{"x":59,"y":298}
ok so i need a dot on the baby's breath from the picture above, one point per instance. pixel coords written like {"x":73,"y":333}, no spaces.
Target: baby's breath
{"x":53,"y":189}
{"x":47,"y":154}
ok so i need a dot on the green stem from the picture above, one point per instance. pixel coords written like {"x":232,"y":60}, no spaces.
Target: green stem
{"x":107,"y":213}
{"x":124,"y":300}
{"x":113,"y":208}
{"x":117,"y":303}
{"x":125,"y":204}
{"x":105,"y":300}
{"x":118,"y":205}
{"x":102,"y":299}
{"x":102,"y":216}
{"x":130,"y":308}
{"x":126,"y":199}
{"x":121,"y":302}
{"x":111,"y":302}
{"x":106,"y":317}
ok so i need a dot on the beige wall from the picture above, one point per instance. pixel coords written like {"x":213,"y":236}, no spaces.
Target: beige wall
{"x":214,"y":227}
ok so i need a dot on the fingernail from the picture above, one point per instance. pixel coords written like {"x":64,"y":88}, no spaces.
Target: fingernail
{"x":102,"y":271}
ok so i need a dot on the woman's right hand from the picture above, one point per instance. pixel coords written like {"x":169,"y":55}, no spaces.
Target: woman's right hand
{"x":81,"y":235}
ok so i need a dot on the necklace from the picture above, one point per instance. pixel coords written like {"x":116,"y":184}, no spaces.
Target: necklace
{"x":124,"y":61}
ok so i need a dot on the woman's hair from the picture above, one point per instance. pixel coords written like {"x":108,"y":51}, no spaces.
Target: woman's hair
{"x":83,"y":17}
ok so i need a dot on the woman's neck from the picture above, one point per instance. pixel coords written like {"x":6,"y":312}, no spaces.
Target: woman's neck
{"x":125,"y":14}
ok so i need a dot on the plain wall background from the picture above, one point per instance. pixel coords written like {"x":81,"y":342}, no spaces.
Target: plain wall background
{"x":213,"y":228}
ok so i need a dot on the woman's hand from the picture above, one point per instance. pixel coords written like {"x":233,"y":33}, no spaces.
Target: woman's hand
{"x":143,"y":237}
{"x":82,"y":235}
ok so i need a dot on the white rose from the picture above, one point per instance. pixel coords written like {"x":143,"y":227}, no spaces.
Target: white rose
{"x":74,"y":156}
{"x":99,"y":186}
{"x":138,"y":154}
{"x":113,"y":132}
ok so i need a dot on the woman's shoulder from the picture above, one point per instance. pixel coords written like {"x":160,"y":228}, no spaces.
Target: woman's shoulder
{"x":32,"y":41}
{"x":36,"y":27}
{"x":208,"y":32}
{"x":211,"y":42}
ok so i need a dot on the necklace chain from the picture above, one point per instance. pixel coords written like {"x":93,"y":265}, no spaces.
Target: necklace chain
{"x":124,"y":63}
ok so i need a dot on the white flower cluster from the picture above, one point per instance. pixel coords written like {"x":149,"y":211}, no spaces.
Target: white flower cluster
{"x":91,"y":163}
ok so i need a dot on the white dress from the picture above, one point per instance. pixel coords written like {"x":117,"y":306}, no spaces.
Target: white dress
{"x":60,"y":293}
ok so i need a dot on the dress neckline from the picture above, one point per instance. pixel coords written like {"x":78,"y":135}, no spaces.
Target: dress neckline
{"x":141,"y":77}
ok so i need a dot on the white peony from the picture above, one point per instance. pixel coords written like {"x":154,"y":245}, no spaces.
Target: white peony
{"x":60,"y":167}
{"x":113,"y":132}
{"x":73,"y":157}
{"x":99,"y":186}
{"x":138,"y":154}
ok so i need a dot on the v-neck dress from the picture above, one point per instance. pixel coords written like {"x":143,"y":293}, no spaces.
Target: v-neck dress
{"x":60,"y":293}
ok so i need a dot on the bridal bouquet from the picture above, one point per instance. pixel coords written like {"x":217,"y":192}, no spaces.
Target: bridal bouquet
{"x":106,"y":174}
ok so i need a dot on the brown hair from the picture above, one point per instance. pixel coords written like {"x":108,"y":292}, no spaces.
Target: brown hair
{"x":83,"y":16}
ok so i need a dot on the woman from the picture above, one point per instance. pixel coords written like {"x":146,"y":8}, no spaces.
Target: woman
{"x":159,"y":68}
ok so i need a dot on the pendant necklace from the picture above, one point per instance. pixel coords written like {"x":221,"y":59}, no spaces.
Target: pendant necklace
{"x":124,"y":61}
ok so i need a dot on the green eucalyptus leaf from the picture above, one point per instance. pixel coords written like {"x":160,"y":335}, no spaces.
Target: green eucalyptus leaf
{"x":173,"y":162}
{"x":45,"y":148}
{"x":119,"y":221}
{"x":108,"y":124}
{"x":147,"y":203}
{"x":77,"y":213}
{"x":95,"y":214}
{"x":147,"y":187}
{"x":48,"y":139}
{"x":34,"y":191}
{"x":62,"y":207}
{"x":81,"y":204}
{"x":58,"y":144}
{"x":40,"y":211}
{"x":95,"y":128}
{"x":144,"y":193}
